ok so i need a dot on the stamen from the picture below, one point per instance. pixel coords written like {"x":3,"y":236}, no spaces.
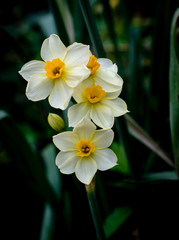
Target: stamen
{"x":54,"y":68}
{"x":93,"y":65}
{"x":84,"y":147}
{"x":95,"y":93}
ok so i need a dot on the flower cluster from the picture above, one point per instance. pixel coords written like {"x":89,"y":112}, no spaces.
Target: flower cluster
{"x":73,"y":72}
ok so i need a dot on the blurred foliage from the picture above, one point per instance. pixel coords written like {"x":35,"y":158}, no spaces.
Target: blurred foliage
{"x":138,"y":199}
{"x":174,"y":87}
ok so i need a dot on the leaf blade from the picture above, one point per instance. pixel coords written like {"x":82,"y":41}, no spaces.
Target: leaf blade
{"x":139,"y":133}
{"x":116,"y":219}
{"x":92,"y":28}
{"x":174,"y":87}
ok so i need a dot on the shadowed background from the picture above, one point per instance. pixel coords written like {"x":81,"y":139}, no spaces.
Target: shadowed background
{"x":138,"y":199}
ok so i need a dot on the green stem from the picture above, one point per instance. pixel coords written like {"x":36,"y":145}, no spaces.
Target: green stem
{"x":90,"y":189}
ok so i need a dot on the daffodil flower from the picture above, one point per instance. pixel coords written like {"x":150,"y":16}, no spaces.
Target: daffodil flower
{"x":104,"y":73}
{"x":96,"y":104}
{"x":84,"y":150}
{"x":63,"y":69}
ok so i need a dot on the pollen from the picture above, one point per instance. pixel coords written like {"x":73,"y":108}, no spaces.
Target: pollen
{"x":54,"y":68}
{"x":95,"y":93}
{"x":93,"y":65}
{"x":85,"y":148}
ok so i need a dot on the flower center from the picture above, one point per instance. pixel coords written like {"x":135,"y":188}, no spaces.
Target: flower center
{"x":54,"y":68}
{"x":93,"y":65}
{"x":84,"y":147}
{"x":95,"y":93}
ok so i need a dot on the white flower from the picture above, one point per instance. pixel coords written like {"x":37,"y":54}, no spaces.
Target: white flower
{"x":104,"y":73}
{"x":96,"y":104}
{"x":84,"y":150}
{"x":62,"y":70}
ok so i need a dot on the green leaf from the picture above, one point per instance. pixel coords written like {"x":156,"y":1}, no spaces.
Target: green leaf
{"x":52,"y":172}
{"x":123,"y":165}
{"x":157,"y":176}
{"x":92,"y":28}
{"x":53,"y":176}
{"x":109,"y":18}
{"x":66,"y":16}
{"x":174,"y":87}
{"x":110,"y":23}
{"x":140,"y":134}
{"x":60,"y":21}
{"x":79,"y":25}
{"x":135,"y":85}
{"x":116,"y":219}
{"x":48,"y":223}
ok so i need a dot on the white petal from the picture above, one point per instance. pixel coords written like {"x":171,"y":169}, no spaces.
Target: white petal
{"x":46,"y":53}
{"x":31,"y":68}
{"x":118,"y":106}
{"x":84,"y":129}
{"x":85,"y":169}
{"x":105,"y":159}
{"x":105,"y":62}
{"x":73,"y":76}
{"x":60,"y":95}
{"x":77,"y":54}
{"x":89,"y":81}
{"x":113,"y":68}
{"x":66,"y":162}
{"x":108,"y":80}
{"x":79,"y":93}
{"x":102,"y":138}
{"x":77,"y":112}
{"x":66,"y":141}
{"x":52,"y":48}
{"x":57,"y":47}
{"x":39,"y":87}
{"x":112,"y":95}
{"x":102,"y":116}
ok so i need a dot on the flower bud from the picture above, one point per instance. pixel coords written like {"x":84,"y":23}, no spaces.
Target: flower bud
{"x":56,"y":122}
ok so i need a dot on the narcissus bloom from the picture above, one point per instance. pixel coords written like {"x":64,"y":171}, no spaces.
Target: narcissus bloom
{"x":63,"y":69}
{"x":96,"y":104}
{"x":84,"y":150}
{"x":104,"y":73}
